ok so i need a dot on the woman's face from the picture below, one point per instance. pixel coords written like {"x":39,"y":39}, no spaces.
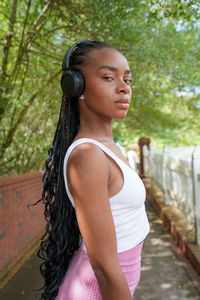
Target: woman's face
{"x":107,"y":77}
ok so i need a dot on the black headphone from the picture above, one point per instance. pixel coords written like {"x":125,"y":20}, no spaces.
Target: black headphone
{"x":72,"y":81}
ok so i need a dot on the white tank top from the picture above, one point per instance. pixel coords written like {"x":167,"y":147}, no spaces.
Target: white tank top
{"x":127,"y":206}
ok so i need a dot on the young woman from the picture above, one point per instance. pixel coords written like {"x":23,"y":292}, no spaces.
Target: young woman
{"x":94,"y":201}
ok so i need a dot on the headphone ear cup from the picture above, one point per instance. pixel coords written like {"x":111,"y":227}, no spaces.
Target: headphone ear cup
{"x":72,"y":84}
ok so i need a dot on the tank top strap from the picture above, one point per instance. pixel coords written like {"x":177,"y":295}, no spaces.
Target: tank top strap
{"x":78,"y":142}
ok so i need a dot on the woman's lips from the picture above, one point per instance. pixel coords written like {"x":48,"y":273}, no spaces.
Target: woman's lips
{"x":124,"y":104}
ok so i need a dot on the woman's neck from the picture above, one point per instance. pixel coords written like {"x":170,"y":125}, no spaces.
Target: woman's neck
{"x":98,"y":129}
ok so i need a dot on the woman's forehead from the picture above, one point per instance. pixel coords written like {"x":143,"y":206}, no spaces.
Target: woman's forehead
{"x":107,"y":57}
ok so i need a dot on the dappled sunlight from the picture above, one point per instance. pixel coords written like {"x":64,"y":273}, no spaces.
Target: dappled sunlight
{"x":159,"y":241}
{"x":158,"y":221}
{"x":146,"y":268}
{"x":166,"y":286}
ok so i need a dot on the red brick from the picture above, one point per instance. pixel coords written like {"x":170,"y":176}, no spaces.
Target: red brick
{"x":19,"y":225}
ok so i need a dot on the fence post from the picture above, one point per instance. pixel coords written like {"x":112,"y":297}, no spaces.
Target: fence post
{"x":151,"y":157}
{"x":143,"y":141}
{"x":196,"y":190}
{"x":146,"y":161}
{"x":165,"y":184}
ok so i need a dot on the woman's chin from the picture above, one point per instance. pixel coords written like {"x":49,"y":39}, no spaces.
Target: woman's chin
{"x":121,"y":115}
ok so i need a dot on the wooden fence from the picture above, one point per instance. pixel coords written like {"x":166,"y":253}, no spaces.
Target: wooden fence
{"x":177,"y":172}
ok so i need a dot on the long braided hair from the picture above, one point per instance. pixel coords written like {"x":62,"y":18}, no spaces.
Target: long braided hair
{"x":62,"y":237}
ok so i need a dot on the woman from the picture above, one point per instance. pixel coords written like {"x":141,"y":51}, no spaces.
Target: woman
{"x":94,"y":201}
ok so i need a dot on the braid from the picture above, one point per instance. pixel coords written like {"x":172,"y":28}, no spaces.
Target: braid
{"x":62,"y":237}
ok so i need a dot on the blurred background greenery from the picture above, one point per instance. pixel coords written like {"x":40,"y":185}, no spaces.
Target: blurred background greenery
{"x":161,"y":40}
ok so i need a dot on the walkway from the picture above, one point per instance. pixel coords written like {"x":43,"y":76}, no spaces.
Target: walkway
{"x":163,"y":275}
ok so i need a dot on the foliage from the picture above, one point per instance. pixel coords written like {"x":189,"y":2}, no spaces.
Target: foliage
{"x":159,"y":38}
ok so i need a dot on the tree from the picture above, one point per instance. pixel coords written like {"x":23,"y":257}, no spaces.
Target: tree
{"x":160,"y":42}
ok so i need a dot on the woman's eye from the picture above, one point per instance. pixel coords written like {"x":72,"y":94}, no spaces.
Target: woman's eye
{"x":109,"y":78}
{"x":128,"y":81}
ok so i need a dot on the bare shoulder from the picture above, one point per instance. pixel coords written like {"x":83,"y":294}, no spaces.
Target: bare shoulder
{"x":87,"y":156}
{"x":87,"y":165}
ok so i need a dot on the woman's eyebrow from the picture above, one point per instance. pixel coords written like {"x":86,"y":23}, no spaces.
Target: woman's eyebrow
{"x":112,"y":69}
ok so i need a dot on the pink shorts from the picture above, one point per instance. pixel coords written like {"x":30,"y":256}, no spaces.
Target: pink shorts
{"x":80,"y":282}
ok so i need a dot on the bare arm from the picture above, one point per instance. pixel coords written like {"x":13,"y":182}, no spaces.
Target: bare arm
{"x":88,"y":175}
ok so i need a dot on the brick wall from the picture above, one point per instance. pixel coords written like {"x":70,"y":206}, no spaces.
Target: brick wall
{"x":20,"y":226}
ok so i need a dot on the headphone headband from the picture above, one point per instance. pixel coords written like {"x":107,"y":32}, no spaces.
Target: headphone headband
{"x":66,"y":58}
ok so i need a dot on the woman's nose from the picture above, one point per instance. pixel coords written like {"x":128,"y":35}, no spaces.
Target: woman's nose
{"x":123,"y":87}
